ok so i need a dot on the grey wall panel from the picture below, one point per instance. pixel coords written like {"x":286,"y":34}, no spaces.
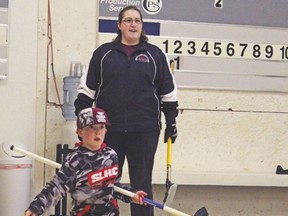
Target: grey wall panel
{"x":3,"y":52}
{"x":202,"y":80}
{"x":225,"y":32}
{"x":3,"y":17}
{"x":3,"y":68}
{"x":4,"y":3}
{"x":236,"y":67}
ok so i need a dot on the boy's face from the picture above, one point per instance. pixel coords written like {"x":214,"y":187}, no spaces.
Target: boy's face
{"x":93,"y":136}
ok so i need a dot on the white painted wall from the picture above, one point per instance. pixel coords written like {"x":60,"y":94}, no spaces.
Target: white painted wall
{"x":18,"y":100}
{"x":209,"y":141}
{"x":18,"y":92}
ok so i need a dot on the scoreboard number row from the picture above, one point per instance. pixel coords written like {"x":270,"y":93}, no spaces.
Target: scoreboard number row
{"x":223,"y":49}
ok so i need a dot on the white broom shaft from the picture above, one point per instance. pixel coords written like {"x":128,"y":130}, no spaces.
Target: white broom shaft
{"x":118,"y":189}
{"x":36,"y":157}
{"x":57,"y":165}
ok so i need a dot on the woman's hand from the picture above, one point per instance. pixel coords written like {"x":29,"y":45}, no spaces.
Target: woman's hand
{"x":138,"y":197}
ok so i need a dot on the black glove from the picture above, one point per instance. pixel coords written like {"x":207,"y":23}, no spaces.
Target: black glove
{"x":170,"y":111}
{"x":170,"y":131}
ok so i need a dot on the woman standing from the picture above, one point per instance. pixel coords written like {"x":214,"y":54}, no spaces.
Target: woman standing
{"x":131,"y":80}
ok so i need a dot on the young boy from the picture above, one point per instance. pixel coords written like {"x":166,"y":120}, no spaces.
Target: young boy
{"x":89,"y":173}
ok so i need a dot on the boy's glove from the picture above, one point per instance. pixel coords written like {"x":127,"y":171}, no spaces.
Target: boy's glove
{"x":170,"y":131}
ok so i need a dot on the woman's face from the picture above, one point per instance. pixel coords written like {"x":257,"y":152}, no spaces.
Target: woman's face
{"x":130,"y":27}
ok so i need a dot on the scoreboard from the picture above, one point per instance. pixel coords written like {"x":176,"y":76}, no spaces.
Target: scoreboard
{"x":213,"y":46}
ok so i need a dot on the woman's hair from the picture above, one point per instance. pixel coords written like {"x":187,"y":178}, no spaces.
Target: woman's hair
{"x":143,"y":36}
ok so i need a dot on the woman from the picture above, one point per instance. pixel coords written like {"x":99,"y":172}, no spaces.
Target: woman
{"x":131,"y":80}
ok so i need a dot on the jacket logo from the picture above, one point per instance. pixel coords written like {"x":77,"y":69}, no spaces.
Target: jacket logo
{"x":99,"y":176}
{"x":142,"y":58}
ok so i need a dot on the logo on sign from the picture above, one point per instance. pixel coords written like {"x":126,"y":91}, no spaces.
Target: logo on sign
{"x":152,"y":6}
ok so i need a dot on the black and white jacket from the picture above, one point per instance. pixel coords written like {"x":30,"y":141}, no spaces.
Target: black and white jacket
{"x":132,"y":90}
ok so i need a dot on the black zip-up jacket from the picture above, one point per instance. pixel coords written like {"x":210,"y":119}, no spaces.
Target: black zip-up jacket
{"x":132,"y":90}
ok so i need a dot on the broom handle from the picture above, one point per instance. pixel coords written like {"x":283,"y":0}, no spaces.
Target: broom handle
{"x":153,"y":203}
{"x":169,"y":157}
{"x":36,"y":157}
{"x":169,"y":151}
{"x":169,"y":141}
{"x":118,"y":189}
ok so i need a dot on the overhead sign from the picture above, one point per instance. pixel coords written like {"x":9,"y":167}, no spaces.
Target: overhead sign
{"x":240,"y":54}
{"x":248,"y":12}
{"x":4,"y":3}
